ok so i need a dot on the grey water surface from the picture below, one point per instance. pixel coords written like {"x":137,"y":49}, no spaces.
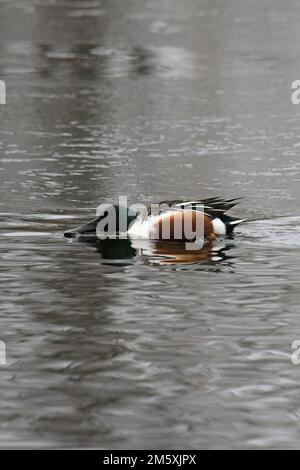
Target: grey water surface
{"x":114,"y":346}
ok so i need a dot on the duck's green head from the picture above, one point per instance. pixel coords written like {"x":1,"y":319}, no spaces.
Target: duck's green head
{"x":114,"y":220}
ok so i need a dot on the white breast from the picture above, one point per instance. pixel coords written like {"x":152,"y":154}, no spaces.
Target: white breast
{"x":145,"y":228}
{"x":142,"y":228}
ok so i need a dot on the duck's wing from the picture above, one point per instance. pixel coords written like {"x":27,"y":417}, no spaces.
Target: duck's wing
{"x":213,"y":207}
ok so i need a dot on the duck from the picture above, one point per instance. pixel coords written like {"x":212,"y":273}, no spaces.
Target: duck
{"x":210,"y":214}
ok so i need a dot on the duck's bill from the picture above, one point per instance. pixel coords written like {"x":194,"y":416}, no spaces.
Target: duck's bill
{"x":89,"y":229}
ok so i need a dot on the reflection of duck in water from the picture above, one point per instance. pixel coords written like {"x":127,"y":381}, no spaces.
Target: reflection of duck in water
{"x":166,"y":253}
{"x":171,"y":223}
{"x":156,"y":252}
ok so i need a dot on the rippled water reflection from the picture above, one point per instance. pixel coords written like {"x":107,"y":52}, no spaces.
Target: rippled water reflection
{"x":120,"y":346}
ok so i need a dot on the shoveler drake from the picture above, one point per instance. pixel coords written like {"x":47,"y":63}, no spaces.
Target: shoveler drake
{"x":210,"y":214}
